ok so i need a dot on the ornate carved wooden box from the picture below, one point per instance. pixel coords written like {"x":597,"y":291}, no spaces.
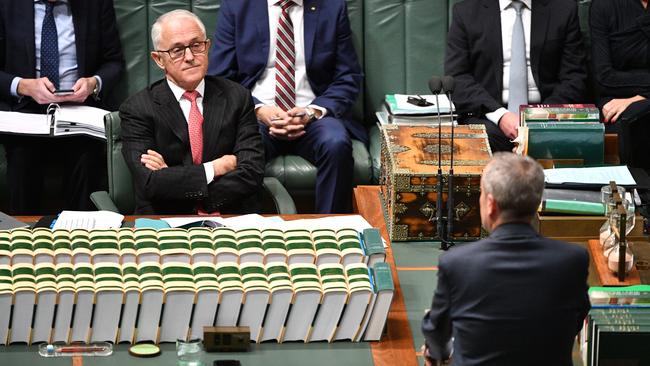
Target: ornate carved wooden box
{"x":409,"y":179}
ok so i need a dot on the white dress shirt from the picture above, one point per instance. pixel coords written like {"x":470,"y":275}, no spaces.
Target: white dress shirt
{"x":68,"y":73}
{"x":264,"y":89}
{"x":186,"y":105}
{"x":508,"y":16}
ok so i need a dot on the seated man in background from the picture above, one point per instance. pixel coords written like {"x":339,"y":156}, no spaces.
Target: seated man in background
{"x":514,"y":298}
{"x":619,"y":51}
{"x":299,"y":62}
{"x":191,"y":141}
{"x":505,"y":53}
{"x":47,"y":46}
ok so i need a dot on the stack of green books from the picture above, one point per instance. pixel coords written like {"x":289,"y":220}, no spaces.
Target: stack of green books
{"x":564,"y":131}
{"x":617,"y":328}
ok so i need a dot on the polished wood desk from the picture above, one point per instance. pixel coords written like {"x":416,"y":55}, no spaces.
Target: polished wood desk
{"x":574,"y":229}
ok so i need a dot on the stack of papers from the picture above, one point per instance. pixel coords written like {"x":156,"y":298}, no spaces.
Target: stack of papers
{"x":88,"y":220}
{"x":594,"y":176}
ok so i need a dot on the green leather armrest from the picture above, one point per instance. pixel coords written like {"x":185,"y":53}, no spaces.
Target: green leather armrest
{"x":374,"y":148}
{"x":103,"y":201}
{"x":283,"y":202}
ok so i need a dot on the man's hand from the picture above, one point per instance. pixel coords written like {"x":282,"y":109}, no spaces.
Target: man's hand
{"x":508,"y":124}
{"x":41,"y":90}
{"x":425,"y":354}
{"x":153,"y":161}
{"x":224,"y":164}
{"x":83,"y":88}
{"x":266,"y":114}
{"x":613,"y":109}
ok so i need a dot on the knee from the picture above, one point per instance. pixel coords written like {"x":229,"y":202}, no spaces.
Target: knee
{"x":338,"y":147}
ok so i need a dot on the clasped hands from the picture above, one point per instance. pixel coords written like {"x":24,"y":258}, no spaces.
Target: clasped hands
{"x":154,"y":161}
{"x":42,"y":90}
{"x":288,"y":125}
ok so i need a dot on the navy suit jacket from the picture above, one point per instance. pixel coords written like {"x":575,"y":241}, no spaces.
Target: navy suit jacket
{"x":514,"y":298}
{"x":241,"y":50}
{"x":97,"y":41}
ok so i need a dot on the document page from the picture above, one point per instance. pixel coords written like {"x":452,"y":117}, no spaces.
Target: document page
{"x":600,"y":175}
{"x":25,"y":123}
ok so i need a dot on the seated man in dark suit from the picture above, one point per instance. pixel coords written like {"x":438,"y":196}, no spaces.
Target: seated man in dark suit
{"x":191,"y":141}
{"x":505,"y":53}
{"x":514,"y":298}
{"x":298,"y":60}
{"x":51,"y":45}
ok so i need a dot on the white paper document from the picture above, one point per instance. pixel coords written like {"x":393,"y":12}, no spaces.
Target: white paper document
{"x":25,"y":123}
{"x":405,"y":107}
{"x":70,"y":220}
{"x":599,"y":175}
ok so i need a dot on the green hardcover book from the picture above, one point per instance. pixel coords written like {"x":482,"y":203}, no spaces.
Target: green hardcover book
{"x":559,"y":112}
{"x":567,"y":140}
{"x":373,"y":246}
{"x":573,"y":207}
{"x":636,"y":296}
{"x":384,"y":289}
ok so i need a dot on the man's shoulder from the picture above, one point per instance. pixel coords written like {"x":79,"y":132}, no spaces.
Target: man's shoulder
{"x":228,"y":87}
{"x":467,"y":6}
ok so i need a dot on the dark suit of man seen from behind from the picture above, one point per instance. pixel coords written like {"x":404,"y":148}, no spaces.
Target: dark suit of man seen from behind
{"x":497,"y":68}
{"x":48,"y":45}
{"x":515,"y":297}
{"x":191,"y":141}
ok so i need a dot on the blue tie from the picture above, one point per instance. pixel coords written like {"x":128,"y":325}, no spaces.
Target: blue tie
{"x":50,"y":46}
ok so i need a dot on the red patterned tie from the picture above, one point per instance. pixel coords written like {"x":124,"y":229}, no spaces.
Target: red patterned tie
{"x":195,"y":122}
{"x":285,"y":60}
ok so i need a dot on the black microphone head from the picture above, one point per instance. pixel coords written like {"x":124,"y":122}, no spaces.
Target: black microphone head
{"x":435,"y":85}
{"x":448,"y":84}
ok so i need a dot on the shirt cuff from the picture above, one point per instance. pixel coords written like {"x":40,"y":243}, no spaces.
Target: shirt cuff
{"x":99,"y":83}
{"x":209,"y":172}
{"x":258,"y":105}
{"x":496,"y":115}
{"x":14,"y":86}
{"x":323,"y":111}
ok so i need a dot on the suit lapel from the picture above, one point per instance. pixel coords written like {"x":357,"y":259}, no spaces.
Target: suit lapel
{"x":261,"y":13}
{"x":24,"y":22}
{"x":171,"y":115}
{"x":213,"y":109}
{"x":311,"y":9}
{"x":492,"y":30}
{"x":538,"y":25}
{"x":79,"y":19}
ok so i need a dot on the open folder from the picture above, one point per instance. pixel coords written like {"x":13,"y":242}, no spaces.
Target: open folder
{"x":60,"y":120}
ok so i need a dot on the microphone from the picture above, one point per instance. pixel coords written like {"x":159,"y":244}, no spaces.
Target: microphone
{"x":435,"y":85}
{"x":448,"y":86}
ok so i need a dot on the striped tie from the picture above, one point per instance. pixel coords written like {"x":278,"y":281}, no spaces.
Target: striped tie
{"x":285,"y":59}
{"x":195,"y":124}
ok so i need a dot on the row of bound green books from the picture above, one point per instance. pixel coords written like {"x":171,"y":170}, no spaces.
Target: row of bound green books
{"x":200,"y":244}
{"x":150,"y":302}
{"x":617,"y":329}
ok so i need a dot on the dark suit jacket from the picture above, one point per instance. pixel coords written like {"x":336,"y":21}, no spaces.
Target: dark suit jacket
{"x":241,"y":50}
{"x":97,"y":41}
{"x":153,"y":119}
{"x":475,"y":54}
{"x":514,"y":298}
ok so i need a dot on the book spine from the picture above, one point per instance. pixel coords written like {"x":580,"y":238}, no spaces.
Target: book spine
{"x":383,"y":277}
{"x":574,"y":207}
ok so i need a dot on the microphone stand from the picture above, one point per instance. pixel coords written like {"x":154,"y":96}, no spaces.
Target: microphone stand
{"x":435,"y":85}
{"x":448,"y":85}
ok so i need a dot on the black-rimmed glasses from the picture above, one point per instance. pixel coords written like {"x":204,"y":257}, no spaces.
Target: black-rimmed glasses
{"x":196,"y":48}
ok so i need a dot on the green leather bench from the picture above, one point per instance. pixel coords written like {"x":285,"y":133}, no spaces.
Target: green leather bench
{"x":400,"y":44}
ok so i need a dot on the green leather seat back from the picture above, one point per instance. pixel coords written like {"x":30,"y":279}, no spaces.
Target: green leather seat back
{"x":120,"y":181}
